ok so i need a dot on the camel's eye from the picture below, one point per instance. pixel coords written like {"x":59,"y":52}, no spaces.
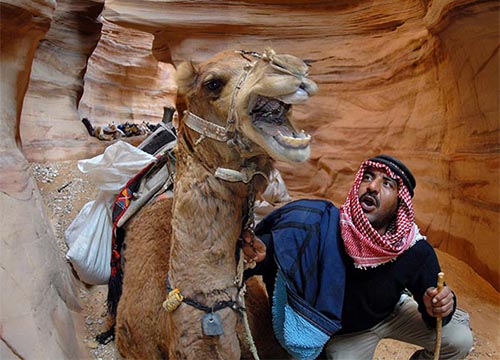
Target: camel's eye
{"x":214,"y":84}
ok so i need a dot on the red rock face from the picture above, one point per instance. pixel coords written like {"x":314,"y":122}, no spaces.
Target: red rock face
{"x":124,"y":81}
{"x":88,"y":67}
{"x":38,"y":297}
{"x":50,"y":124}
{"x":416,"y":80}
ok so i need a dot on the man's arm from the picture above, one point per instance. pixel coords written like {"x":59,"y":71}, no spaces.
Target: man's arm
{"x":430,"y":303}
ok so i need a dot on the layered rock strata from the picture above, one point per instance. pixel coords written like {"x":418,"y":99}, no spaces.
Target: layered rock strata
{"x":124,"y":81}
{"x":418,"y":80}
{"x":415,"y":79}
{"x":38,"y":298}
{"x":50,"y":123}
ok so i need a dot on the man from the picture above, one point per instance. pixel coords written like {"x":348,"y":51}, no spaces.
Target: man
{"x":386,"y":258}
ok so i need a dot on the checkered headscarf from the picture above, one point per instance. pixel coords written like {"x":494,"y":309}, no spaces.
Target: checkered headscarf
{"x":362,"y":242}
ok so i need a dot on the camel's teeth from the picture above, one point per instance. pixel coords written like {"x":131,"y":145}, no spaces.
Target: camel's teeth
{"x":303,"y":135}
{"x":295,"y":142}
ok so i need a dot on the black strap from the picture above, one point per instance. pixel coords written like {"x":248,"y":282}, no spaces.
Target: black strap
{"x":208,"y":309}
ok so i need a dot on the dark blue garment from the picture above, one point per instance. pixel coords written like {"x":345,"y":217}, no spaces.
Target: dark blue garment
{"x":303,"y":240}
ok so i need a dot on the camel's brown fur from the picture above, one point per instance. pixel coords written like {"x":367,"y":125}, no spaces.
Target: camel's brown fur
{"x":200,"y":227}
{"x":141,"y":320}
{"x":141,"y":324}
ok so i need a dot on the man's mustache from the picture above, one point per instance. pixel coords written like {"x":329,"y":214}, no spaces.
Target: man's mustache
{"x":372,"y":196}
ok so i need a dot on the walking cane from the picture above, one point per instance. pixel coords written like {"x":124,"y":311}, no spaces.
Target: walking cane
{"x":439,"y":320}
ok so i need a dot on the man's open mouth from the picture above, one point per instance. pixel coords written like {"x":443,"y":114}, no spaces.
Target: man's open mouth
{"x":368,"y":202}
{"x":269,"y":116}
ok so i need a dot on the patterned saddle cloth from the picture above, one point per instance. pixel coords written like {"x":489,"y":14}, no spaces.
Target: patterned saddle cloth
{"x":154,"y":179}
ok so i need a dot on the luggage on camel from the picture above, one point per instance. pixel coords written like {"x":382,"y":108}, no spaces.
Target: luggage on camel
{"x":127,"y":177}
{"x":89,"y":235}
{"x":151,"y":181}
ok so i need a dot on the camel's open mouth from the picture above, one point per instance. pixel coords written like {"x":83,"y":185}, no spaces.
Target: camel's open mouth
{"x":269,"y":116}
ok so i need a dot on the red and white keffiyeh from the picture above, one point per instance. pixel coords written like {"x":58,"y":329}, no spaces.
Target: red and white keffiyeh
{"x":362,"y":242}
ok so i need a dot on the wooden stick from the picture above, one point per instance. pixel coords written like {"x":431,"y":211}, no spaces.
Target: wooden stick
{"x":439,"y":320}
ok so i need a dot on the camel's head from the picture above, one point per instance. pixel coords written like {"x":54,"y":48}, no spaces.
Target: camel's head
{"x":249,"y":96}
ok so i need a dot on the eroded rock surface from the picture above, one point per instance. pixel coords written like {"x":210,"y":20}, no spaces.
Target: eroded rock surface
{"x":124,"y":81}
{"x":38,"y":301}
{"x":415,"y":79}
{"x":418,"y":80}
{"x":50,"y":123}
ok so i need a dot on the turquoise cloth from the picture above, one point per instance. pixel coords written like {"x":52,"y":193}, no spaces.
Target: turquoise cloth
{"x":298,"y":336}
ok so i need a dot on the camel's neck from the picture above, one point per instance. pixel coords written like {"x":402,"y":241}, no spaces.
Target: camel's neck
{"x":206,"y":224}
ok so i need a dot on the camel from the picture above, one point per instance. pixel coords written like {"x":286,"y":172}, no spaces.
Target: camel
{"x":236,"y":124}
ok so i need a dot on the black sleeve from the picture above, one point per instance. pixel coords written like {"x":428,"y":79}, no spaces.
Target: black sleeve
{"x":424,"y":277}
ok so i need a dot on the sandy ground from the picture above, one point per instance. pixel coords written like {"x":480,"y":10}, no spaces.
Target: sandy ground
{"x":65,"y":190}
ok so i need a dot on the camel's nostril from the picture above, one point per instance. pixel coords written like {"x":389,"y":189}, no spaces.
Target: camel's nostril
{"x":310,"y":90}
{"x":309,"y":86}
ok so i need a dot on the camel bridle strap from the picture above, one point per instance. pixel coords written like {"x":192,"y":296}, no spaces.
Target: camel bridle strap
{"x":213,"y":131}
{"x":232,"y":116}
{"x":229,"y":133}
{"x":216,"y":132}
{"x":270,"y":57}
{"x":205,"y":128}
{"x":245,"y":175}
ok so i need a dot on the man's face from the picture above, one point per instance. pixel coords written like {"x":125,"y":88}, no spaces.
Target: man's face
{"x":378,"y":196}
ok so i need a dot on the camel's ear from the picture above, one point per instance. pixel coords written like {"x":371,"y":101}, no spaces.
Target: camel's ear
{"x":186,"y":77}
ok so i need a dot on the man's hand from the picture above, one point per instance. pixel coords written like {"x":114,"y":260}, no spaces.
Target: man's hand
{"x":438,"y":304}
{"x":254,"y":250}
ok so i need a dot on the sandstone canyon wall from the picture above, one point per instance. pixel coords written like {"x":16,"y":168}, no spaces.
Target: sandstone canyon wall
{"x":39,"y":306}
{"x":86,"y":67}
{"x":124,"y":81}
{"x":415,"y":79}
{"x":50,"y":123}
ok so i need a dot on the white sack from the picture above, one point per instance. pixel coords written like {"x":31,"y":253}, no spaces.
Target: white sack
{"x":89,"y":235}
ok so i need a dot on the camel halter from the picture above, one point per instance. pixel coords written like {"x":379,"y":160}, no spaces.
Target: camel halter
{"x":228,"y":134}
{"x":208,"y":129}
{"x":223,"y":134}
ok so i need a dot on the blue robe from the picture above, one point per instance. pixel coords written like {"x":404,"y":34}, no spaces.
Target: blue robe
{"x":304,"y":273}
